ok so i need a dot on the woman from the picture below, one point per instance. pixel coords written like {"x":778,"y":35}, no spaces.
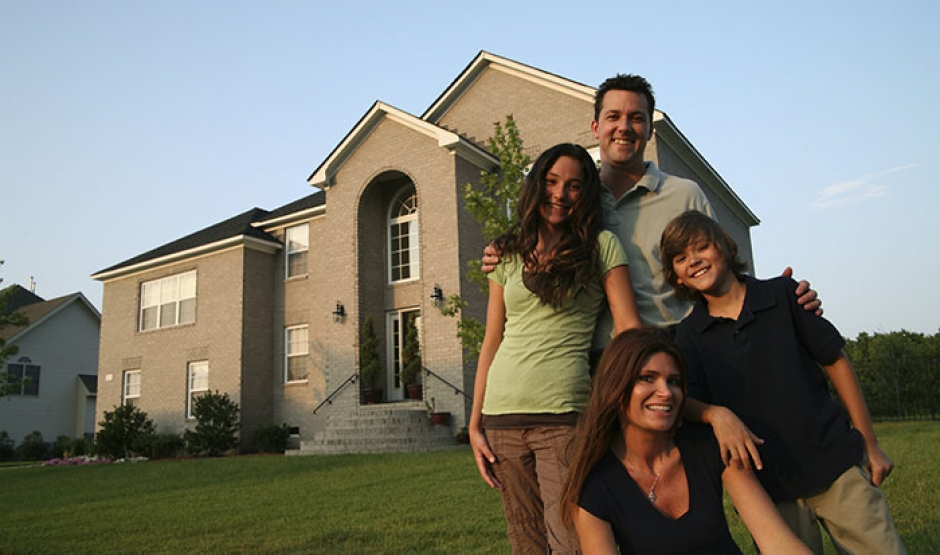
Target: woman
{"x":638,"y":483}
{"x":533,"y":375}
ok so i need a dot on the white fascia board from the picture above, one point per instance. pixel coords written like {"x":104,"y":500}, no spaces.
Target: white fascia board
{"x":487,"y":60}
{"x":324,"y":176}
{"x":289,"y":218}
{"x":252,"y":243}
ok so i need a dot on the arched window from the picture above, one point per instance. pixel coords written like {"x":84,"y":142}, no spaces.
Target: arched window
{"x":403,"y":237}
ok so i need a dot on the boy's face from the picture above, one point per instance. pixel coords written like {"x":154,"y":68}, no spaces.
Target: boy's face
{"x":703,"y":268}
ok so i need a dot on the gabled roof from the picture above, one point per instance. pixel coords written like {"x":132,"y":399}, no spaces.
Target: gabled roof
{"x":324,"y":174}
{"x":486,"y":60}
{"x":40,"y":312}
{"x":220,"y":235}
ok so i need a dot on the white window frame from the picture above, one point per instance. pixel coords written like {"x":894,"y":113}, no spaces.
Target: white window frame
{"x":395,"y":342}
{"x":403,"y":213}
{"x":297,"y":241}
{"x":168,"y":301}
{"x":130,"y":392}
{"x":296,"y":347}
{"x":197,"y":383}
{"x":28,"y":375}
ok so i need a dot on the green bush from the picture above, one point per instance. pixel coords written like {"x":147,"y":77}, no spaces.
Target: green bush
{"x":125,"y":432}
{"x":270,"y":438}
{"x":166,"y":446}
{"x":410,"y":356}
{"x":80,"y":446}
{"x":217,"y":425}
{"x":369,"y":363}
{"x":33,"y":448}
{"x":7,"y":452}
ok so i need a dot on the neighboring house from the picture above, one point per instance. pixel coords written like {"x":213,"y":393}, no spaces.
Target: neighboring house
{"x":267,"y":306}
{"x":58,"y":353}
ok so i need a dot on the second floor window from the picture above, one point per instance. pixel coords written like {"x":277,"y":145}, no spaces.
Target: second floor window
{"x":298,"y":245}
{"x":403,"y":237}
{"x":168,"y":301}
{"x":24,"y":376}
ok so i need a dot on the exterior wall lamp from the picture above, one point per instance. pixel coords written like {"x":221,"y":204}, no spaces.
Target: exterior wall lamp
{"x":339,"y":313}
{"x":438,"y":295}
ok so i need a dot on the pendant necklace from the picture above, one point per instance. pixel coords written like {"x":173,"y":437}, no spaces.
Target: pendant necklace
{"x":656,"y":475}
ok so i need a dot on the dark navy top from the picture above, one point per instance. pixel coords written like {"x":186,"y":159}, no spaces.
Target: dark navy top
{"x":610,"y":494}
{"x":765,"y":366}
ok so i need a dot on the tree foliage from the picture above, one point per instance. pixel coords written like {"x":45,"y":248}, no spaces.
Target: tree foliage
{"x":216,"y":425}
{"x":125,"y":432}
{"x":8,"y":383}
{"x":899,"y":373}
{"x":492,"y":204}
{"x":410,"y":355}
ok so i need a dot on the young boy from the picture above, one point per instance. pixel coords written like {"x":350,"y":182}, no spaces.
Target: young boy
{"x":753,"y":354}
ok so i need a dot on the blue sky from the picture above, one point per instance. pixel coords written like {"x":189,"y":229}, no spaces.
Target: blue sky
{"x":125,"y":125}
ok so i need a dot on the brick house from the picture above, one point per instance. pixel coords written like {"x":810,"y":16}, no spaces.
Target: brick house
{"x":267,"y":306}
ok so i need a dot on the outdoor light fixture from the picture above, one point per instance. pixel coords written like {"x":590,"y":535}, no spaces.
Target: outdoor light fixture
{"x":438,"y":295}
{"x":339,"y":312}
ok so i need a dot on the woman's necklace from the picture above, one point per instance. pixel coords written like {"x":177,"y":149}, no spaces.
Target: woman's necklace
{"x":651,"y":495}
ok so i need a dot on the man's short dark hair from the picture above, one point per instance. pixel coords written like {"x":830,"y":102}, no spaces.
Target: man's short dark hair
{"x":624,"y":82}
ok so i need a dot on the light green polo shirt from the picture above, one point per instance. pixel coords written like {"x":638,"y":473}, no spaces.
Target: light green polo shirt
{"x":638,"y":218}
{"x":541,"y":365}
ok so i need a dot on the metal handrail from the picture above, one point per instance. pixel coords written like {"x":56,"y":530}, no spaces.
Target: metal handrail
{"x":329,"y":398}
{"x":457,"y":390}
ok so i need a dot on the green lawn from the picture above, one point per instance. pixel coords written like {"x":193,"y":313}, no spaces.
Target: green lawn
{"x":403,"y":503}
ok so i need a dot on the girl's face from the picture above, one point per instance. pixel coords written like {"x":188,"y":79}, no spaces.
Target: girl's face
{"x":657,"y":395}
{"x":562,"y":189}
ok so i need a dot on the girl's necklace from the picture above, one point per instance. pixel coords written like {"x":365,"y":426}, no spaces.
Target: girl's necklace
{"x":651,"y":495}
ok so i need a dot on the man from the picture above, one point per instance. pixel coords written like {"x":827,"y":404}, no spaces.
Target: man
{"x":639,"y":201}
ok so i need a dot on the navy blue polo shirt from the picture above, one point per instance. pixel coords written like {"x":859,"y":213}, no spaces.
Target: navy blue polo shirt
{"x":765,"y":366}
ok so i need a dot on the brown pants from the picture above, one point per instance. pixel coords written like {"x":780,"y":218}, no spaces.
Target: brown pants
{"x":531,"y":465}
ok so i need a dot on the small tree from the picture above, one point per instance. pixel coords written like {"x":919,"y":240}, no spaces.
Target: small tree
{"x":125,"y":432}
{"x":493,"y":206}
{"x":369,"y":364}
{"x":410,"y":356}
{"x":8,"y":382}
{"x":217,"y":425}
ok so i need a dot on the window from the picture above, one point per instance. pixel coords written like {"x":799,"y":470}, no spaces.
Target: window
{"x":298,"y":244}
{"x":295,"y":354}
{"x":24,"y":376}
{"x":398,"y":324}
{"x":131,"y":387}
{"x":197,"y":384}
{"x":166,"y":302}
{"x":403,"y":237}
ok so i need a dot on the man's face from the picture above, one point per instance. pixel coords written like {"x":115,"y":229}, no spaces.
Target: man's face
{"x":623,"y":129}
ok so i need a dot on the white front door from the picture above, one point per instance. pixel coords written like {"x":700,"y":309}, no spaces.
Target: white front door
{"x":397,"y":326}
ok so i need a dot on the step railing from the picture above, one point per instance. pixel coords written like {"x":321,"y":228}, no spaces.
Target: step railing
{"x":331,"y":396}
{"x":457,"y":390}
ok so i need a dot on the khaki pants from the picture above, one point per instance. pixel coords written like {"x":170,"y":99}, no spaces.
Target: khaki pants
{"x":852,"y":511}
{"x":531,"y":465}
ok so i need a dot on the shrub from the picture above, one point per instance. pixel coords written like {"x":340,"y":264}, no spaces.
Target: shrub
{"x":32,"y":448}
{"x":125,"y":432}
{"x":410,"y":356}
{"x":62,"y":447}
{"x":369,"y":363}
{"x":7,"y":452}
{"x":81,"y":446}
{"x":217,"y":425}
{"x":270,"y":438}
{"x":166,"y":446}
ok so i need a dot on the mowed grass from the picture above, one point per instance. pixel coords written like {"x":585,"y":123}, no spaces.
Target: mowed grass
{"x":397,"y":503}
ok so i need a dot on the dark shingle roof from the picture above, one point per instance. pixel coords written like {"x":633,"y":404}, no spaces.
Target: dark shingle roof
{"x":232,"y":227}
{"x":306,"y":203}
{"x":19,"y":298}
{"x":34,"y":313}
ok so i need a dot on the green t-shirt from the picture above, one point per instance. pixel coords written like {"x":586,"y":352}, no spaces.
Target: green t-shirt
{"x":541,"y":365}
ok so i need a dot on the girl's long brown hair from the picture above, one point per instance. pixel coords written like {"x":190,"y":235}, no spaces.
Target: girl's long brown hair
{"x":576,"y":260}
{"x":599,"y":424}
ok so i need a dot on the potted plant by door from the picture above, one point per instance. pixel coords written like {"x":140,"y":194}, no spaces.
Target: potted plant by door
{"x":411,"y":363}
{"x":369,"y":364}
{"x":441,"y":418}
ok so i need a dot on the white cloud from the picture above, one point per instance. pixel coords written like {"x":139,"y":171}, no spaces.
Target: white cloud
{"x":855,"y":190}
